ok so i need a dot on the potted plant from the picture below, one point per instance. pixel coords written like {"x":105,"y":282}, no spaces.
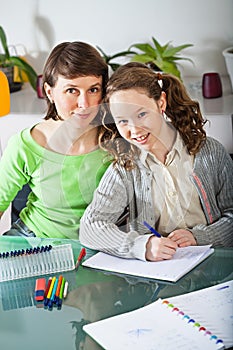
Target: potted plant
{"x":109,"y":58}
{"x":160,"y":57}
{"x":8,"y":62}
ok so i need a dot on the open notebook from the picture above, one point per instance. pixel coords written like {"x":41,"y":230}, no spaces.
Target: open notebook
{"x":199,"y":320}
{"x":184,"y":260}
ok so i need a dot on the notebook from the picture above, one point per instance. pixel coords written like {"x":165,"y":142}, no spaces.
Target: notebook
{"x":184,"y":260}
{"x":199,"y":320}
{"x":35,"y":261}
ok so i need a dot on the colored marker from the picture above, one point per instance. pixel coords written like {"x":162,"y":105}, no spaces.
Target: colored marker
{"x":152,"y":230}
{"x":80,"y":258}
{"x":52,"y":299}
{"x":62,"y":288}
{"x":46,"y":301}
{"x":65,"y":290}
{"x":58,"y":288}
{"x":48,"y":286}
{"x":59,"y":301}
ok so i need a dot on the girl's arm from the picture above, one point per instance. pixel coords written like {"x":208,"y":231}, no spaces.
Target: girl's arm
{"x":99,"y":230}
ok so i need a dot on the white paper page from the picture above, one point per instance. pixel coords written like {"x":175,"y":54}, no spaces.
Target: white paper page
{"x":212,"y":307}
{"x":170,"y":270}
{"x":152,"y":327}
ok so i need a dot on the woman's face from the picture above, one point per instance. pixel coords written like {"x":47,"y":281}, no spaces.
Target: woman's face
{"x":138,"y":118}
{"x":76,"y":98}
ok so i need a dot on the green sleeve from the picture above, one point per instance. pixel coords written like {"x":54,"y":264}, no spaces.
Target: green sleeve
{"x":13,"y":171}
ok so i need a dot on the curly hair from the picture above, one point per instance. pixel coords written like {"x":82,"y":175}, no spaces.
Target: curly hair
{"x":183,"y":112}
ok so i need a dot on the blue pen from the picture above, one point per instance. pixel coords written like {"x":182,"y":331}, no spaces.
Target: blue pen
{"x":152,"y":229}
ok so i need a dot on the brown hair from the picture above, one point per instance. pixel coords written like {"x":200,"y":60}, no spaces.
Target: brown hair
{"x":182,"y":111}
{"x":71,"y":60}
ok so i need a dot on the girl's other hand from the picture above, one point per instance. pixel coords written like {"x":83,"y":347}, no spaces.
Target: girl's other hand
{"x":158,"y":249}
{"x":183,"y":238}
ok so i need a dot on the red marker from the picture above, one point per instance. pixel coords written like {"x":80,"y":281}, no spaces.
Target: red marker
{"x":48,"y":286}
{"x":80,"y":258}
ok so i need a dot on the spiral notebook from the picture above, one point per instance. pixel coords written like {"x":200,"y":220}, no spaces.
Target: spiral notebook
{"x":198,"y":320}
{"x":35,"y":261}
{"x":183,"y":261}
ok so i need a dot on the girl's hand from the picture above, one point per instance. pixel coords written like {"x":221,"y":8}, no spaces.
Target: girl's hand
{"x":183,"y":238}
{"x":160,"y":248}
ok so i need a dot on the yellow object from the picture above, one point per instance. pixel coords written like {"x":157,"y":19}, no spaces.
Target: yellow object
{"x":4,"y":95}
{"x":20,"y":76}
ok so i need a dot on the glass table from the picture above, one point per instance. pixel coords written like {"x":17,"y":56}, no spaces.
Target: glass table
{"x":92,"y":295}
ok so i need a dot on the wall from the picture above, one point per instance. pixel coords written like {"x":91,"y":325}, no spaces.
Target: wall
{"x":114,"y":25}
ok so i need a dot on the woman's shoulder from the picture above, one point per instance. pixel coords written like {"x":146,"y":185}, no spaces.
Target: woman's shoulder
{"x":18,"y":138}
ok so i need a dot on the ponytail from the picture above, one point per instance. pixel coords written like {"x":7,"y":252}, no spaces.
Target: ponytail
{"x":184,"y":113}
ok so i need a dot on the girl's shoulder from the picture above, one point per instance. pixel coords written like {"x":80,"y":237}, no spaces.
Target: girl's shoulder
{"x":214,"y":154}
{"x":213,"y":145}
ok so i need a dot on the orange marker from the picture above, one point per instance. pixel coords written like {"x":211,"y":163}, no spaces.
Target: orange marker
{"x":59,"y":299}
{"x":58,"y":288}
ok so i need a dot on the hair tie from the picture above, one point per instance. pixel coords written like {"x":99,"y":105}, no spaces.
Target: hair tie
{"x":160,"y":80}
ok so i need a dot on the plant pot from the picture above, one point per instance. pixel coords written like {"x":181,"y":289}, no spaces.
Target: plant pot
{"x":9,"y":71}
{"x":228,"y":55}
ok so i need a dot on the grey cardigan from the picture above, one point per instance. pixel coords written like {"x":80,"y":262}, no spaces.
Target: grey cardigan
{"x":118,"y":189}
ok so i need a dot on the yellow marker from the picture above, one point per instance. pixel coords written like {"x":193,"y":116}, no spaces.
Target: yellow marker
{"x":51,"y":288}
{"x":4,"y":95}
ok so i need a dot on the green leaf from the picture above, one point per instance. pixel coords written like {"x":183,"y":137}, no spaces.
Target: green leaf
{"x":114,"y":66}
{"x":171,"y":51}
{"x":171,"y":68}
{"x":4,"y":42}
{"x":143,"y":58}
{"x":123,"y":53}
{"x":146,"y":48}
{"x":28,"y":70}
{"x":159,"y":48}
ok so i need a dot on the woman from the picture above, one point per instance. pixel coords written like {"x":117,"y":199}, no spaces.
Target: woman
{"x":59,"y":158}
{"x":166,"y":171}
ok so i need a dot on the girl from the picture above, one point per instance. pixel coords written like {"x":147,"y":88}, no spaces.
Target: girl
{"x":166,"y":171}
{"x":59,"y":158}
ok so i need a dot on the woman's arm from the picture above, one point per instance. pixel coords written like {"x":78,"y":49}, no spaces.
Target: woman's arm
{"x":12,"y":170}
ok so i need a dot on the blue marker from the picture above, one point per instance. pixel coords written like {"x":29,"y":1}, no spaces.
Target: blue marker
{"x":152,"y":229}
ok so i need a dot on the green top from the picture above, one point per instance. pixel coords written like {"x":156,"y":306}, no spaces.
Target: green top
{"x":62,"y":186}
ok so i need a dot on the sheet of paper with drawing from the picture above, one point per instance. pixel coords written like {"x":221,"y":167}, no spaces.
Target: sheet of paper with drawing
{"x":184,"y":260}
{"x":166,"y":326}
{"x":213,"y":307}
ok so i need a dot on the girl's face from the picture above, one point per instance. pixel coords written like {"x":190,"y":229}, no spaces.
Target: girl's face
{"x":138,"y":118}
{"x":76,"y":98}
